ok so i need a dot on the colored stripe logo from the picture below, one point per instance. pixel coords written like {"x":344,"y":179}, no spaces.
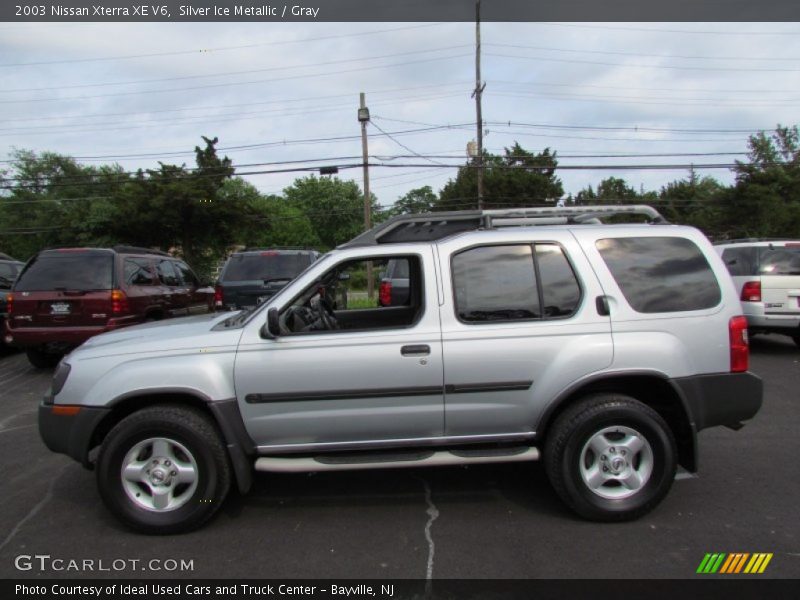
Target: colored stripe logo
{"x":734,"y":563}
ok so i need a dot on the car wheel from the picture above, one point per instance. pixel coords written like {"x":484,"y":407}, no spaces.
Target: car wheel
{"x":163,"y":469}
{"x":610,"y":457}
{"x":41,"y":359}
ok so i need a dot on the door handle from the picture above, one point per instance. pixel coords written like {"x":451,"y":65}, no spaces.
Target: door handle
{"x":601,"y":303}
{"x":416,"y":350}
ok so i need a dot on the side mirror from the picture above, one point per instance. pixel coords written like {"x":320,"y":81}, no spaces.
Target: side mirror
{"x":271,"y":329}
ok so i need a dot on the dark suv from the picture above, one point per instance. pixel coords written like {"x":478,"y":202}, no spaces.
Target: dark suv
{"x":254,"y":275}
{"x":65,"y":296}
{"x":9,"y":269}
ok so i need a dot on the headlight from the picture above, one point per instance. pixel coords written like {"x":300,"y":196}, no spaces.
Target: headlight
{"x":60,"y":378}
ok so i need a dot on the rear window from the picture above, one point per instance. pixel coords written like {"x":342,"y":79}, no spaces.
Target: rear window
{"x":265,"y":266}
{"x":68,"y":272}
{"x":661,"y":274}
{"x":779,"y":261}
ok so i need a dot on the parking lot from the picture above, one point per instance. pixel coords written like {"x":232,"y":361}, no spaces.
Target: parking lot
{"x":481,"y":521}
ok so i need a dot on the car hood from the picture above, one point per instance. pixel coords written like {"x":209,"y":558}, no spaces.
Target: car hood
{"x":159,"y":336}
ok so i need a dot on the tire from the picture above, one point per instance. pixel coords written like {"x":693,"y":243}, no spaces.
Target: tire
{"x":41,"y":359}
{"x":185,"y":487}
{"x":610,"y":457}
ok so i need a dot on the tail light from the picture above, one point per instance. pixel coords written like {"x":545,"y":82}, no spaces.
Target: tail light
{"x":385,"y":293}
{"x":9,"y":303}
{"x":119,"y":302}
{"x":751,"y":292}
{"x":219,"y":296}
{"x":740,"y":348}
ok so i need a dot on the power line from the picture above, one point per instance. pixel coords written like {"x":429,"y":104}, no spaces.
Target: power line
{"x":402,"y":145}
{"x":642,"y":54}
{"x":220,"y":48}
{"x":235,"y":83}
{"x":630,"y":66}
{"x":233,"y":73}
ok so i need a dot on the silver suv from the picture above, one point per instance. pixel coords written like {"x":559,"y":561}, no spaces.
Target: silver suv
{"x":767,"y":277}
{"x":528,"y":333}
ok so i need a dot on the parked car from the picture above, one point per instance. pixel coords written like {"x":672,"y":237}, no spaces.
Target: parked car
{"x":393,"y":289}
{"x":767,"y":277}
{"x":528,"y":334}
{"x":254,"y":275}
{"x":9,"y":269}
{"x":65,"y":296}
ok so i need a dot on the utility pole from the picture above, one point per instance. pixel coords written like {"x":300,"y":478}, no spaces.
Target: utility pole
{"x":477,"y":93}
{"x":363,"y":118}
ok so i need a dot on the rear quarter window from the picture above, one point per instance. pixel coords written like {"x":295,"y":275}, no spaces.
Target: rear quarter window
{"x":661,"y":274}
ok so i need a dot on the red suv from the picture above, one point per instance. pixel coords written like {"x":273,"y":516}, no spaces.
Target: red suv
{"x":65,"y":296}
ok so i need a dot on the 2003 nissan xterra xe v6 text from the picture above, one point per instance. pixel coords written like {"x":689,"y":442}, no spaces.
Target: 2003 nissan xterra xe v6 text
{"x":527,"y":333}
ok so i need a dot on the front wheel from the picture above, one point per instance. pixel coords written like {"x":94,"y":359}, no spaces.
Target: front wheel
{"x":163,"y":469}
{"x":610,"y":457}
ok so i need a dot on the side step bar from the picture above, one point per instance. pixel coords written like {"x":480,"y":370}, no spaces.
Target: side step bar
{"x":442,"y":458}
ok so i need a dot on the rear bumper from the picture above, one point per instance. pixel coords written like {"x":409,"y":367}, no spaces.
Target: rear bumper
{"x":30,"y":337}
{"x":721,"y":399}
{"x":69,"y":434}
{"x":758,"y":319}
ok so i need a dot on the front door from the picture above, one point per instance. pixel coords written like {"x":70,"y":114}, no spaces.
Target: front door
{"x":345,"y":375}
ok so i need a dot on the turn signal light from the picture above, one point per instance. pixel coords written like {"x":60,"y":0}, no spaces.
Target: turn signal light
{"x":751,"y":292}
{"x":9,"y":303}
{"x":740,"y":347}
{"x":119,"y":302}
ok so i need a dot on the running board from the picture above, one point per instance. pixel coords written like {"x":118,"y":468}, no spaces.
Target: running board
{"x":442,"y":458}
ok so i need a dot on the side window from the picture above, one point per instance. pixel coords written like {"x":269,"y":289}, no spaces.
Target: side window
{"x":661,"y":274}
{"x":740,"y":261}
{"x":495,"y":283}
{"x":166,"y":273}
{"x":339,"y":300}
{"x":137,"y":272}
{"x":561,"y":293}
{"x":186,"y":275}
{"x":516,"y":282}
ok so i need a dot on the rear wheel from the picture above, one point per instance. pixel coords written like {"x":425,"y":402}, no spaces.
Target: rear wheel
{"x":163,"y":470}
{"x":41,"y":359}
{"x":610,"y":457}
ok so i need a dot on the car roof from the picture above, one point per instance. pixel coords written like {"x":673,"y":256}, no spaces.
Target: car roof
{"x":757,"y":243}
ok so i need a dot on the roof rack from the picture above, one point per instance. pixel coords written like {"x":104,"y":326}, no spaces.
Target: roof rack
{"x":751,"y":240}
{"x":138,"y":250}
{"x":4,"y":256}
{"x":435,"y":226}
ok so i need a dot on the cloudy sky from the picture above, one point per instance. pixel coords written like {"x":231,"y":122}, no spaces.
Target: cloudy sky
{"x":142,"y":92}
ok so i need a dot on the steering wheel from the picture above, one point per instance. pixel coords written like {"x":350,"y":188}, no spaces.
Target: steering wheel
{"x":325,"y":313}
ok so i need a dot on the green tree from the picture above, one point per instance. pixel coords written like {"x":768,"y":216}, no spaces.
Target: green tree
{"x":765,"y":201}
{"x":418,"y":200}
{"x":516,"y":178}
{"x":335,"y":208}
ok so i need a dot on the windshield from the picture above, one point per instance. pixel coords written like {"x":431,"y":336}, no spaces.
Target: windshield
{"x":780,"y":261}
{"x":82,"y":272}
{"x":8,"y":273}
{"x":265,"y":266}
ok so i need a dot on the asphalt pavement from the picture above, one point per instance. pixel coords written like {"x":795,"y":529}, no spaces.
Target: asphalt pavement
{"x":467,"y":522}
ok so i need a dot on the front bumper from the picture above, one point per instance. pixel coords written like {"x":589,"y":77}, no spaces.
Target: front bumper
{"x":721,"y":399}
{"x":68,"y":430}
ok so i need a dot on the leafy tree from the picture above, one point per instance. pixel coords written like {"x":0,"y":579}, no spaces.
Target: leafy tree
{"x":517,"y":178}
{"x":418,"y":200}
{"x":335,"y":208}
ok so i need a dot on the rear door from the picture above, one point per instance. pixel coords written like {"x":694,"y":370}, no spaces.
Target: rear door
{"x":519,"y":323}
{"x":65,"y":288}
{"x":779,"y":267}
{"x":170,"y":286}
